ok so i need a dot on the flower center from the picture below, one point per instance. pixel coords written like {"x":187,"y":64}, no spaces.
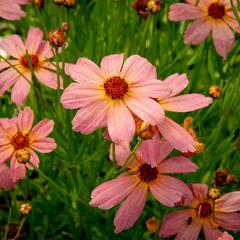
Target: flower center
{"x":20,"y":141}
{"x":205,"y":209}
{"x":216,"y":10}
{"x":116,"y":88}
{"x":33,"y":58}
{"x":147,"y":173}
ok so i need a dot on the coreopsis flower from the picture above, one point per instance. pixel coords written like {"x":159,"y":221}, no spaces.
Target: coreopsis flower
{"x":215,"y":92}
{"x":19,"y":141}
{"x":5,"y":179}
{"x":56,"y":38}
{"x":223,"y":177}
{"x":39,"y":52}
{"x":203,"y":214}
{"x":152,"y":224}
{"x":132,"y":186}
{"x":110,"y":94}
{"x":25,"y":209}
{"x":210,"y":16}
{"x":11,"y":10}
{"x":226,"y":236}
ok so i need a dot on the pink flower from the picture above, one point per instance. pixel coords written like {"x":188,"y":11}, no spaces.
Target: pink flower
{"x":209,"y":16}
{"x":11,"y":10}
{"x":110,"y":94}
{"x":187,"y":224}
{"x":226,"y":236}
{"x":39,"y":52}
{"x":133,"y":186}
{"x":19,"y":141}
{"x":5,"y":178}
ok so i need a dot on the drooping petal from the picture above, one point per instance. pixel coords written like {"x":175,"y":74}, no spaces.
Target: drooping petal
{"x":223,"y":39}
{"x":229,"y":202}
{"x":42,"y":129}
{"x":176,"y":135}
{"x":131,"y":209}
{"x":186,"y":103}
{"x":229,"y":221}
{"x":197,"y":32}
{"x":200,"y":191}
{"x":210,"y":232}
{"x":5,"y":153}
{"x":25,"y":120}
{"x":34,"y":39}
{"x":191,"y":232}
{"x":111,"y":65}
{"x":184,"y":11}
{"x":44,"y":145}
{"x":17,"y":170}
{"x":121,"y":125}
{"x":177,"y":165}
{"x":110,"y":193}
{"x":5,"y":178}
{"x":137,"y":69}
{"x":122,"y":152}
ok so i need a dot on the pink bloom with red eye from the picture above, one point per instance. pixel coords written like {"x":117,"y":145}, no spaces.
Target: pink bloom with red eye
{"x":226,"y":236}
{"x":39,"y":52}
{"x":11,"y":10}
{"x":19,"y":141}
{"x":210,"y":16}
{"x":132,"y":187}
{"x":110,"y":94}
{"x":187,"y":223}
{"x":5,"y":178}
{"x":171,"y":131}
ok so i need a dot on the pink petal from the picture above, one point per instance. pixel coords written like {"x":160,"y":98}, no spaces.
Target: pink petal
{"x":111,"y":65}
{"x":25,"y":120}
{"x":197,"y":32}
{"x":229,"y":221}
{"x":176,"y":135}
{"x":232,"y":23}
{"x":225,"y":236}
{"x":122,"y":152}
{"x":5,"y":153}
{"x":131,"y":209}
{"x":9,"y":126}
{"x":191,"y":232}
{"x":137,"y":69}
{"x":44,"y":145}
{"x":34,"y":160}
{"x":223,"y":39}
{"x":177,"y":83}
{"x":42,"y":129}
{"x":5,"y":178}
{"x":177,"y":165}
{"x":92,"y":117}
{"x":34,"y":39}
{"x":183,"y":11}
{"x":229,"y":202}
{"x":175,"y":222}
{"x":11,"y":11}
{"x":110,"y":193}
{"x":13,"y":46}
{"x":210,"y":232}
{"x":44,"y":51}
{"x":121,"y":125}
{"x":165,"y":149}
{"x":17,"y":170}
{"x":147,"y":109}
{"x":200,"y":191}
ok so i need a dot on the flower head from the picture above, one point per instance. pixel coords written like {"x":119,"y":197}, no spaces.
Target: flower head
{"x":210,"y":16}
{"x":38,"y":54}
{"x":19,"y":141}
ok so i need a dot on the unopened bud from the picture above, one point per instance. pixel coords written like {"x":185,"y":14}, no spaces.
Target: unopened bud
{"x":66,"y":26}
{"x":214,"y":193}
{"x":200,"y":147}
{"x":141,"y":7}
{"x":25,"y":209}
{"x":56,"y":38}
{"x":59,"y":2}
{"x":215,"y":92}
{"x":154,"y":6}
{"x":187,"y":122}
{"x":223,"y":177}
{"x":152,"y":224}
{"x":38,"y":3}
{"x":145,"y":130}
{"x":22,"y":156}
{"x":69,"y":3}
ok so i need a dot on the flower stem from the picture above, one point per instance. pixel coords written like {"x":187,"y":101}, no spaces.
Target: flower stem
{"x":20,"y":227}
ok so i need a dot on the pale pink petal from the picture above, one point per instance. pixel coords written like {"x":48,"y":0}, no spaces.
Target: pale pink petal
{"x":4,"y":65}
{"x":136,"y":69}
{"x":226,"y":236}
{"x":147,"y":109}
{"x":175,"y":222}
{"x":177,"y":165}
{"x":9,"y":126}
{"x":5,"y":178}
{"x":192,"y":2}
{"x":44,"y":145}
{"x":17,"y":170}
{"x":5,"y":153}
{"x":184,"y":11}
{"x":229,"y":202}
{"x":121,"y":125}
{"x":13,"y":46}
{"x":131,"y":209}
{"x":191,"y":232}
{"x":92,"y":117}
{"x":197,"y":32}
{"x":165,"y":149}
{"x":42,"y":129}
{"x":176,"y":135}
{"x":10,"y":10}
{"x":210,"y":232}
{"x":44,"y":51}
{"x":34,"y":39}
{"x":186,"y":103}
{"x":200,"y":191}
{"x":223,"y":39}
{"x":20,"y":91}
{"x":25,"y":120}
{"x":106,"y":135}
{"x":229,"y":221}
{"x":122,"y":152}
{"x":233,"y":23}
{"x":110,"y":193}
{"x":111,"y":65}
{"x":177,"y":83}
{"x":34,"y":160}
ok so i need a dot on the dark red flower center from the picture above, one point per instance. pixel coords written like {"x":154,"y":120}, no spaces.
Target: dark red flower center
{"x":216,"y":10}
{"x":116,"y":88}
{"x":20,"y":141}
{"x":33,"y":58}
{"x":205,"y":209}
{"x":147,"y":173}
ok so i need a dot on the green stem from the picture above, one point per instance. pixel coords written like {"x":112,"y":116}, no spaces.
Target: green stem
{"x":20,"y":227}
{"x":8,"y":222}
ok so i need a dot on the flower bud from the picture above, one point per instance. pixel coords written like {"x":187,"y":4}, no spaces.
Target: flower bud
{"x":38,"y":3}
{"x":25,"y":209}
{"x":152,"y":224}
{"x":187,"y":123}
{"x":69,"y":3}
{"x":59,"y":2}
{"x":66,"y":26}
{"x":22,"y":156}
{"x":154,"y":6}
{"x":214,"y":193}
{"x":56,"y":38}
{"x":145,"y":130}
{"x":141,"y":7}
{"x":223,"y":177}
{"x":215,"y":92}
